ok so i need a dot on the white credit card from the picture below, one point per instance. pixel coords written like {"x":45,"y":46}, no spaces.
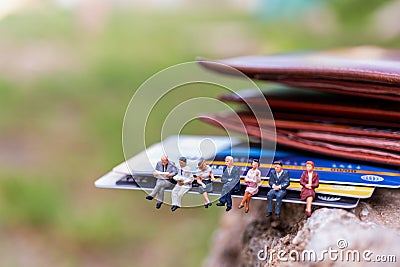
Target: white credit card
{"x":176,"y":146}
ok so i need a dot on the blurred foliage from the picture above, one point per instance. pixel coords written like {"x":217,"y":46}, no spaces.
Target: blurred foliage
{"x":355,"y":13}
{"x":30,"y":201}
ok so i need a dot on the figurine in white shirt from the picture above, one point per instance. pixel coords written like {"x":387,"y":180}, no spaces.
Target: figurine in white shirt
{"x":184,"y":180}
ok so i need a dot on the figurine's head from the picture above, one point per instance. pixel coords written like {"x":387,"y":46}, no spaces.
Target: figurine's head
{"x":229,"y":161}
{"x":182,"y":162}
{"x":278,"y":165}
{"x":309,"y":166}
{"x":201,"y":164}
{"x":164,"y":160}
{"x":255,"y":163}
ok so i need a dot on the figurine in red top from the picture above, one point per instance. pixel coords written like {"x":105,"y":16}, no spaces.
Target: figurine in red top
{"x":309,"y":180}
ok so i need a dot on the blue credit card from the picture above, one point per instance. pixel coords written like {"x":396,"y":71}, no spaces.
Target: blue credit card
{"x":330,"y":170}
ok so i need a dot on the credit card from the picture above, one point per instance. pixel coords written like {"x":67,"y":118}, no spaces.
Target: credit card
{"x":330,"y":170}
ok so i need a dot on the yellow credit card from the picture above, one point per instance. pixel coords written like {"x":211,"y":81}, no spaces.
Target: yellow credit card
{"x":331,"y":189}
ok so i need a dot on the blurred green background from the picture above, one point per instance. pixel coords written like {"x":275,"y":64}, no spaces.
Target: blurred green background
{"x":67,"y":72}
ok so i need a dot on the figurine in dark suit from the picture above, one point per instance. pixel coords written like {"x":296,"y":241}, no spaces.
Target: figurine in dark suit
{"x":279,"y":180}
{"x":163,"y":166}
{"x":231,"y":180}
{"x":309,"y":180}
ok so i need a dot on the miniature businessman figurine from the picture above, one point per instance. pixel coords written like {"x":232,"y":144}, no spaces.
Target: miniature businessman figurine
{"x":279,"y":180}
{"x":230,"y":178}
{"x":185,"y":179}
{"x":163,"y":166}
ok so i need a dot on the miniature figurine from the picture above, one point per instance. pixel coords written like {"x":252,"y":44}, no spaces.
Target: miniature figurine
{"x":279,"y":180}
{"x":184,"y":183}
{"x":164,"y":181}
{"x":231,"y":180}
{"x":205,"y":177}
{"x":253,"y":181}
{"x":309,"y":180}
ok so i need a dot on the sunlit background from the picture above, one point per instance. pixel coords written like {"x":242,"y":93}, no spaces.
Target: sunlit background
{"x":67,"y":71}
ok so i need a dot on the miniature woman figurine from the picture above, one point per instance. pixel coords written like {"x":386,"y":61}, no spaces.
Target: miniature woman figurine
{"x":205,"y":177}
{"x":309,"y":180}
{"x":253,"y":181}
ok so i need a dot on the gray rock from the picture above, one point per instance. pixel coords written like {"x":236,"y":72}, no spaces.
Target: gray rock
{"x":242,"y":236}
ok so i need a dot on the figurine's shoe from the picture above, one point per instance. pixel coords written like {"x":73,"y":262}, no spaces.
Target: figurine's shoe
{"x":149,"y":197}
{"x":269,"y":214}
{"x":207,"y":205}
{"x":174,"y":208}
{"x":240,"y":206}
{"x":220,"y":204}
{"x":308,"y":214}
{"x":228,"y":208}
{"x":277,"y":216}
{"x":246,"y":210}
{"x":158,"y":205}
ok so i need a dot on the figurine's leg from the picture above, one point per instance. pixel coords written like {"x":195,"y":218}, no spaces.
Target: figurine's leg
{"x":206,"y":199}
{"x":279,"y":196}
{"x":247,"y":198}
{"x":223,"y":197}
{"x":163,"y":185}
{"x":309,"y":203}
{"x":241,"y":205}
{"x":174,"y":195}
{"x":160,"y":197}
{"x":308,"y":206}
{"x":156,"y":189}
{"x":229,"y":199}
{"x":183,"y":190}
{"x":271,"y":194}
{"x":247,"y":203}
{"x":244,"y":200}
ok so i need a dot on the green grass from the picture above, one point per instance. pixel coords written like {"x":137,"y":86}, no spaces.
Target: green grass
{"x":30,"y":200}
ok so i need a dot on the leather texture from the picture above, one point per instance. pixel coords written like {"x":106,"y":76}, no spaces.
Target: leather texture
{"x":362,"y":71}
{"x":343,"y":103}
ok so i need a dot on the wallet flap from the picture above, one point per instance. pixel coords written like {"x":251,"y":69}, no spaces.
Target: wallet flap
{"x":368,"y":71}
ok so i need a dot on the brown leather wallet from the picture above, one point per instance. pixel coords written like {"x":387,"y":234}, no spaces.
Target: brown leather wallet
{"x":359,"y":71}
{"x":345,"y":102}
{"x":381,"y":113}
